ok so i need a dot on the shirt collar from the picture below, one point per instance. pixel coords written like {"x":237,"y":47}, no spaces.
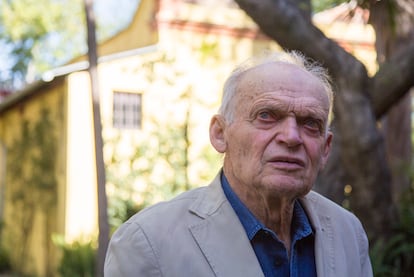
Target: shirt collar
{"x":301,"y":226}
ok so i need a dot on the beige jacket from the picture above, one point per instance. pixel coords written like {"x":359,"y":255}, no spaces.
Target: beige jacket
{"x":199,"y":234}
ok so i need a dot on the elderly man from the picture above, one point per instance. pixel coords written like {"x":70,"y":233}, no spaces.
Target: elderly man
{"x":259,"y":216}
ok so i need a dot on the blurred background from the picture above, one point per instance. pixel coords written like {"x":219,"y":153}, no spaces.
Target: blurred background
{"x":70,"y":176}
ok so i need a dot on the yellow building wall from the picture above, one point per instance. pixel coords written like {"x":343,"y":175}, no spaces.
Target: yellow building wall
{"x":223,"y":33}
{"x":81,"y":201}
{"x":29,"y":224}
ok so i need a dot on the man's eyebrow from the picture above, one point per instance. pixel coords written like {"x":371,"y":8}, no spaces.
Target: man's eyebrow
{"x":280,"y":106}
{"x":313,"y":111}
{"x":265,"y":104}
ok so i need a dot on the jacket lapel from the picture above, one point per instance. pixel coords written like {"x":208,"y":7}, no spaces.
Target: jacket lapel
{"x":221,"y":237}
{"x":324,"y":237}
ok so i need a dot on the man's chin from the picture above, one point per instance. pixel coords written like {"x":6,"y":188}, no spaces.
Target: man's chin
{"x":287,"y":185}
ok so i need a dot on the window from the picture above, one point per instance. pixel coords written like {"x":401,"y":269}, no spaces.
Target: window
{"x":127,"y":110}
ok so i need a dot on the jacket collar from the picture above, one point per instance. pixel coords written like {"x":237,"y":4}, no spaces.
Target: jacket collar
{"x":220,"y":235}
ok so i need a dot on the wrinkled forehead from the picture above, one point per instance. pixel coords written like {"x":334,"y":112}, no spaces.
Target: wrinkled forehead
{"x":280,"y":77}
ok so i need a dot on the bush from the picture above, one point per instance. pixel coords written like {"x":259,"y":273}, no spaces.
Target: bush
{"x":78,"y":259}
{"x":395,"y":258}
{"x":5,"y":265}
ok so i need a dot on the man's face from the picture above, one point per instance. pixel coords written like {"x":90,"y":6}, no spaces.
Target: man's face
{"x":278,"y":140}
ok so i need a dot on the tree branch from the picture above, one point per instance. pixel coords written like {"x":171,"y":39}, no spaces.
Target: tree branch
{"x":393,"y":80}
{"x":283,"y":22}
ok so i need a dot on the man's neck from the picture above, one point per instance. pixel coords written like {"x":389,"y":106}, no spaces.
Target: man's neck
{"x":273,"y":211}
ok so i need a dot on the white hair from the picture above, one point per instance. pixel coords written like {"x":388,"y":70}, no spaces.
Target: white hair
{"x":292,"y":57}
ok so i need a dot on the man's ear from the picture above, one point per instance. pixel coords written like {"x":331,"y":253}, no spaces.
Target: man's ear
{"x":327,"y":149}
{"x":217,"y":137}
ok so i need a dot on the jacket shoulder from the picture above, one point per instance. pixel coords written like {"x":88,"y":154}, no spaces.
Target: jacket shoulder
{"x":320,"y":209}
{"x":165,"y":211}
{"x":321,"y":203}
{"x":338,"y":231}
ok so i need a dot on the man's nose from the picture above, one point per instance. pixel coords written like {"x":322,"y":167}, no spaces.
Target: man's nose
{"x":289,"y":132}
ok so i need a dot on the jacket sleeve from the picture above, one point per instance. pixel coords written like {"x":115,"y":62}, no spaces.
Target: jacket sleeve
{"x":130,"y":254}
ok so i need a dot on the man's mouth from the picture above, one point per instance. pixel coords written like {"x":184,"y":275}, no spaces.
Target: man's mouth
{"x":287,"y":163}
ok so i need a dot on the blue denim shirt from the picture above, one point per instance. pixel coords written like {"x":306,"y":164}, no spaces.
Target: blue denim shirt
{"x":270,"y":251}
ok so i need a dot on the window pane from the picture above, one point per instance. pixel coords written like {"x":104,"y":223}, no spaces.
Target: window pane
{"x":127,"y":110}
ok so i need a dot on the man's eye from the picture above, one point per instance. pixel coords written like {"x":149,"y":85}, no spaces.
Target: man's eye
{"x":264,"y":115}
{"x":312,"y":124}
{"x":264,"y":119}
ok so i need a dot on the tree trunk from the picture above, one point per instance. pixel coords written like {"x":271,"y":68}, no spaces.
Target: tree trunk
{"x":103,"y":238}
{"x":363,"y":154}
{"x":395,"y":25}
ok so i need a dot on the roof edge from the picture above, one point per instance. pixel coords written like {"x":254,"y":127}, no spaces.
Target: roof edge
{"x":63,"y":71}
{"x":83,"y":65}
{"x":26,"y":92}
